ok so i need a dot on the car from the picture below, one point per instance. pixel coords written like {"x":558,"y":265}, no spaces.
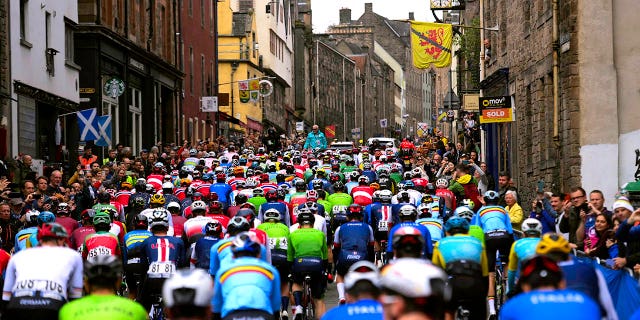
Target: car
{"x":342,"y":145}
{"x":385,"y":142}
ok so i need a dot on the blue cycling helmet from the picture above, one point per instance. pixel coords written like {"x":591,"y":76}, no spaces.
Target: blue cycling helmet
{"x":491,"y":195}
{"x":456,"y":225}
{"x":46,"y":217}
{"x":244,"y":243}
{"x":409,"y":184}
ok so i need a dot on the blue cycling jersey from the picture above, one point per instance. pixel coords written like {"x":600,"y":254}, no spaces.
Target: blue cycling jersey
{"x":223,"y":191}
{"x":353,"y":238}
{"x":202,"y":252}
{"x":460,"y":247}
{"x":361,"y":310}
{"x":434,"y":225}
{"x":381,"y":216}
{"x":133,"y":243}
{"x":525,"y":249}
{"x":164,"y":249}
{"x":321,"y":211}
{"x":492,"y":218}
{"x":21,"y":238}
{"x":428,"y":250}
{"x":553,"y":304}
{"x":246,"y":284}
{"x":220,"y":255}
{"x":280,"y":206}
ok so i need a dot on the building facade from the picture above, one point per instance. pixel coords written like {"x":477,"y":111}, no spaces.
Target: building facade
{"x":44,"y":81}
{"x":132,"y":44}
{"x":590,"y":139}
{"x":5,"y":81}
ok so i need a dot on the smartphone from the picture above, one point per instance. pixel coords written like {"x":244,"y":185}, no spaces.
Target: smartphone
{"x":13,"y":195}
{"x":36,"y":196}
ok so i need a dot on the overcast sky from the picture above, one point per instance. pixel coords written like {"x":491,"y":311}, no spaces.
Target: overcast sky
{"x":326,"y":12}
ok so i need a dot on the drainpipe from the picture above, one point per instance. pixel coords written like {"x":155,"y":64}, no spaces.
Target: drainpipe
{"x":556,"y":48}
{"x":483,"y":143}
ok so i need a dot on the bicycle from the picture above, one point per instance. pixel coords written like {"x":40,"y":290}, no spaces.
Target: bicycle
{"x":157,"y":308}
{"x":382,"y":254}
{"x":500,"y":282}
{"x":462,"y":314}
{"x":308,"y":308}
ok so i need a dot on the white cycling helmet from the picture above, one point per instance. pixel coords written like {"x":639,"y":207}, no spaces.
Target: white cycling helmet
{"x":532,"y":226}
{"x":167,"y":185}
{"x":198,"y":205}
{"x":32,"y":216}
{"x":174,"y":205}
{"x":464,"y":212}
{"x":385,"y":195}
{"x":362,"y":270}
{"x":159,"y":217}
{"x":272,"y":214}
{"x":442,"y":183}
{"x":415,"y":278}
{"x":188,"y":288}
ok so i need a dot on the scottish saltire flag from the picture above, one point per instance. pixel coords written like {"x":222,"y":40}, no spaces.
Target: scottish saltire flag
{"x":87,"y":124}
{"x":104,"y":131}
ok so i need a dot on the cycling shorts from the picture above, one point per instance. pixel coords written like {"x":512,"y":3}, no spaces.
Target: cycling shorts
{"x":32,"y":307}
{"x":312,"y":267}
{"x":468,"y":288}
{"x":279,"y":258}
{"x":151,"y":290}
{"x":342,"y":266}
{"x":381,"y":235}
{"x":497,"y":241}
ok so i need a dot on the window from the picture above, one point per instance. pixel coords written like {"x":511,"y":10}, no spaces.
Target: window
{"x":202,"y":76}
{"x":68,"y":42}
{"x":47,"y":30}
{"x":23,"y":19}
{"x":213,"y":3}
{"x":196,"y":134}
{"x":191,"y":70}
{"x":135,"y":109}
{"x":253,"y":43}
{"x":110,"y":107}
{"x":272,"y":42}
{"x":190,"y":8}
{"x":202,"y":13}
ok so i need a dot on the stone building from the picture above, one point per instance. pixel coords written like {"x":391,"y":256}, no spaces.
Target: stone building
{"x":5,"y":79}
{"x":592,"y":138}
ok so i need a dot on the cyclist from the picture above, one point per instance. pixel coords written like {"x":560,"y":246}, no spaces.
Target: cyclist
{"x":381,"y":218}
{"x":249,"y":288}
{"x":201,"y":253}
{"x":102,"y":277}
{"x":474,"y":230}
{"x":498,"y":237}
{"x":464,"y":259}
{"x":176,"y":216}
{"x":523,"y":250}
{"x":320,"y":222}
{"x":362,"y":193}
{"x":339,"y":197}
{"x":545,"y":296}
{"x":279,"y":238}
{"x":274,"y":203}
{"x":407,"y":242}
{"x":407,"y":215}
{"x":193,"y":226}
{"x":77,"y":237}
{"x":307,"y":251}
{"x":133,"y":266}
{"x":187,"y":295}
{"x":579,"y":276}
{"x":362,"y":285}
{"x":442,"y":191}
{"x":353,"y":242}
{"x":433,"y":224}
{"x":221,"y":254}
{"x":163,"y":254}
{"x":102,"y":242}
{"x":43,"y":217}
{"x":36,"y":288}
{"x":30,"y":228}
{"x":157,"y":201}
{"x":424,"y":298}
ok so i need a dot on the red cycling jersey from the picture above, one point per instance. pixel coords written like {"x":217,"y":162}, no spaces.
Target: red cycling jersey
{"x":101,"y":244}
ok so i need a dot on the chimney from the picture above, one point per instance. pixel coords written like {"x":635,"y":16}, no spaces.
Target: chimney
{"x":411,"y":16}
{"x":368,"y":7}
{"x":345,"y":16}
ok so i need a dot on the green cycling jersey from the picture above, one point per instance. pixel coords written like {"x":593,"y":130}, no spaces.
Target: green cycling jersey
{"x":102,"y":307}
{"x":278,"y":234}
{"x":476,"y":232}
{"x":307,"y":243}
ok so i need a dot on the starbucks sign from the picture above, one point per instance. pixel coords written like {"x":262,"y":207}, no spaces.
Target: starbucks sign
{"x":114,"y":87}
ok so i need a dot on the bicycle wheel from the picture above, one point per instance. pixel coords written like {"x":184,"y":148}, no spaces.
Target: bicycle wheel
{"x":499,"y":289}
{"x":310,"y":310}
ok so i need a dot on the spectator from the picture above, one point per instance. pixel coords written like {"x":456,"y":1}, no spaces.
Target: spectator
{"x":22,"y":170}
{"x":55,"y":183}
{"x":542,"y":211}
{"x":42,"y":183}
{"x":516,"y":214}
{"x":7,"y":228}
{"x":112,"y":157}
{"x":572,"y":222}
{"x":504,"y":185}
{"x":491,"y":181}
{"x":315,"y":139}
{"x":87,"y":158}
{"x":628,"y":232}
{"x":600,"y":240}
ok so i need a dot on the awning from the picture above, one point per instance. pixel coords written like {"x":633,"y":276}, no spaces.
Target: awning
{"x":254,"y":125}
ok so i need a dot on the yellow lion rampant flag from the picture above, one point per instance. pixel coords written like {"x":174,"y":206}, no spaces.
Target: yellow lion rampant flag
{"x":431,"y":44}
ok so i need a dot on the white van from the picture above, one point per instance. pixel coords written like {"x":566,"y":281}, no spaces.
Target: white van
{"x":387,"y":142}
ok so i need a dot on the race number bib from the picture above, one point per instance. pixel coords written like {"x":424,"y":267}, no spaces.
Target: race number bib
{"x":161,"y":269}
{"x":278,"y":243}
{"x":337,"y":210}
{"x":383,"y":225}
{"x":100,"y":251}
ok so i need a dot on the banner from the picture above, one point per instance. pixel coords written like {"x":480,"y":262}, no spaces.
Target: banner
{"x":442,"y":116}
{"x":87,"y":124}
{"x":243,"y":88}
{"x":300,"y":126}
{"x":383,"y":123}
{"x":470,"y":102}
{"x":423,"y":129}
{"x":330,"y":131}
{"x":104,"y":126}
{"x":496,"y":109}
{"x":431,"y":44}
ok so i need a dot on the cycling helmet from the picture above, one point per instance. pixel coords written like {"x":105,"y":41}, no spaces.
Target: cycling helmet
{"x":424,"y":210}
{"x":363,"y":180}
{"x":101,"y":218}
{"x":408,"y":211}
{"x":532,"y":226}
{"x":416,"y":172}
{"x":241,"y":198}
{"x":385,"y":196}
{"x":199,"y":205}
{"x":361,"y":271}
{"x":51,"y":230}
{"x":311,"y":206}
{"x":272,"y":195}
{"x":456,"y":225}
{"x":63,"y":207}
{"x":312,"y":195}
{"x":157,"y":199}
{"x":464,"y":212}
{"x":159,"y":218}
{"x":139,"y":202}
{"x":258,"y":192}
{"x":32,"y":216}
{"x":300,"y":185}
{"x":467,"y":203}
{"x":140,"y":221}
{"x":338,"y":186}
{"x":553,"y":243}
{"x":126,"y":185}
{"x":188,"y":288}
{"x":174,"y":206}
{"x":317,"y":184}
{"x":237,"y":224}
{"x":409,"y":184}
{"x":354,"y":210}
{"x":214,"y":206}
{"x":306,"y":217}
{"x":366,"y":166}
{"x":243,"y":242}
{"x":167,"y":186}
{"x":106,"y":267}
{"x":425,"y":279}
{"x":375,"y":186}
{"x":247,"y":213}
{"x":442,"y":183}
{"x":272,"y":214}
{"x":408,"y":236}
{"x":150,"y":188}
{"x":491,"y":196}
{"x":109,"y":211}
{"x":406,"y":175}
{"x":538,"y":267}
{"x":404,"y":196}
{"x":213,"y":228}
{"x":426,"y":199}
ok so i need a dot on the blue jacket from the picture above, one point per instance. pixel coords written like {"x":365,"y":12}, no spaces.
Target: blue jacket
{"x":315,"y":140}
